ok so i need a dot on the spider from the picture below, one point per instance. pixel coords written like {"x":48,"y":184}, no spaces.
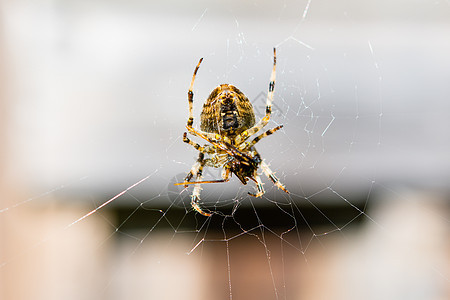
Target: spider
{"x":227,"y":122}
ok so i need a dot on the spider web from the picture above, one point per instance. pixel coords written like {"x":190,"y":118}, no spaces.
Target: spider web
{"x":94,"y":145}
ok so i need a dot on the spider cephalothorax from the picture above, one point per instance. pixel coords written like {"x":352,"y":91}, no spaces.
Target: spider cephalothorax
{"x":227,"y":121}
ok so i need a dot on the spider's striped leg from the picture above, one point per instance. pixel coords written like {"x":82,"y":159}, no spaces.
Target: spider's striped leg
{"x":259,"y":187}
{"x":200,"y":163}
{"x":196,"y":168}
{"x":263,"y":122}
{"x":218,"y":142}
{"x":206,"y":149}
{"x":225,"y":178}
{"x":271,"y":175}
{"x":204,"y":135}
{"x":195,"y":197}
{"x":271,"y":89}
{"x":190,"y":121}
{"x":248,"y":145}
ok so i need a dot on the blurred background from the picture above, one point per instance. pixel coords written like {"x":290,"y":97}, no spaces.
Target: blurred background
{"x":93,"y":107}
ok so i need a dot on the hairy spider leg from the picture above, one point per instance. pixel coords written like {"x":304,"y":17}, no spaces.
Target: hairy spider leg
{"x":194,"y":169}
{"x":210,"y":149}
{"x":271,"y":175}
{"x":206,"y":149}
{"x":190,"y":121}
{"x":248,"y":145}
{"x":195,"y":197}
{"x":259,"y":187}
{"x":186,"y":183}
{"x":263,"y":122}
{"x":214,"y":144}
{"x":197,"y":170}
{"x":225,"y":178}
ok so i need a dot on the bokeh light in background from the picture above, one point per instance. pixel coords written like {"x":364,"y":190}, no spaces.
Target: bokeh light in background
{"x":93,"y":100}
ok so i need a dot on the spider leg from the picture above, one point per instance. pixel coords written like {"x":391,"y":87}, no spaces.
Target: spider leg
{"x":263,"y":122}
{"x":204,"y":135}
{"x":271,"y":175}
{"x":203,"y":181}
{"x":248,"y":145}
{"x":190,"y":121}
{"x":223,"y":145}
{"x":207,"y":149}
{"x":259,"y":186}
{"x":196,"y":168}
{"x":195,"y":197}
{"x":225,"y":178}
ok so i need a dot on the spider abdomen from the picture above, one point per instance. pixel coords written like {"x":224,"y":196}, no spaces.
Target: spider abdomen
{"x":227,"y":111}
{"x":229,"y":114}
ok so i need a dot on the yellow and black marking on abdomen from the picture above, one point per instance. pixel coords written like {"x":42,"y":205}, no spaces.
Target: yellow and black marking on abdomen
{"x":227,"y":111}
